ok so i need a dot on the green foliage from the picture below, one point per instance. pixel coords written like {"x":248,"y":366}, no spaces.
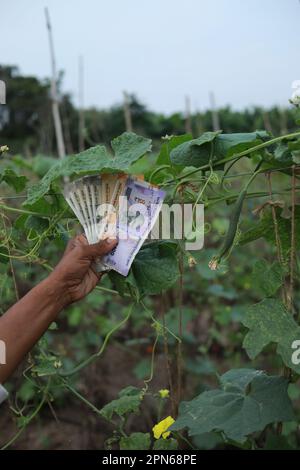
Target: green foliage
{"x":165,"y":444}
{"x":215,"y":302}
{"x":247,"y":402}
{"x":128,"y":402}
{"x":270,"y":322}
{"x":128,"y":149}
{"x":267,"y":278}
{"x":154,"y":270}
{"x":265,"y":229}
{"x":197,"y":152}
{"x":136,"y":441}
{"x":10,"y":177}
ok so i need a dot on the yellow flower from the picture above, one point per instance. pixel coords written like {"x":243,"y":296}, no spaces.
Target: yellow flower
{"x":164,"y":393}
{"x":160,"y":429}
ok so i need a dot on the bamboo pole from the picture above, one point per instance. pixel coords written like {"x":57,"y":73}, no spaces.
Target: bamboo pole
{"x":81,"y":123}
{"x":54,"y":93}
{"x":267,"y":122}
{"x":214,"y":112}
{"x":188,"y":123}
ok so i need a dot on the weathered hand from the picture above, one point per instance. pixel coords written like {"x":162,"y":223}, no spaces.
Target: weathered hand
{"x":74,"y":273}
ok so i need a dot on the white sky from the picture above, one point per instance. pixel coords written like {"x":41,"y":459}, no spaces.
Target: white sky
{"x":246,"y":51}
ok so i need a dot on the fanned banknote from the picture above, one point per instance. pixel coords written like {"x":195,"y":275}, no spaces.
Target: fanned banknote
{"x":115,"y":205}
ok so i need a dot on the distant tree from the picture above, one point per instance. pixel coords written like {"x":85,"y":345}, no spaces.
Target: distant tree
{"x":26,"y":120}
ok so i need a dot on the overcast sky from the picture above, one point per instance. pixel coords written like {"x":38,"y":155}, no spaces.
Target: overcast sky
{"x":246,"y":51}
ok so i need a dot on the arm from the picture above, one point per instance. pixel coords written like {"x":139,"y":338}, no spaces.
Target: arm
{"x":72,"y":279}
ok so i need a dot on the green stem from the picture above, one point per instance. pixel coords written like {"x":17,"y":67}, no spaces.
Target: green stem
{"x":82,"y":398}
{"x":233,"y":197}
{"x":178,"y":435}
{"x":21,"y":211}
{"x":32,"y":416}
{"x":93,"y":357}
{"x":110,"y":291}
{"x":237,"y":156}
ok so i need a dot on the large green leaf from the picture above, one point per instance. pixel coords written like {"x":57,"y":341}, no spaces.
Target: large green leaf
{"x":286,"y":153}
{"x":270,"y":322}
{"x":136,"y":441}
{"x":227,"y":145}
{"x":265,"y":229}
{"x":197,"y":152}
{"x":128,"y":148}
{"x":154,"y":270}
{"x":267,"y":277}
{"x":247,"y":402}
{"x":169,"y":145}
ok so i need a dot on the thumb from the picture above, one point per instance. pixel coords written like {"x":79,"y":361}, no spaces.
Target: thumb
{"x":99,"y":249}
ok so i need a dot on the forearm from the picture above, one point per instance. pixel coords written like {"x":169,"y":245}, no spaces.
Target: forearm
{"x":24,"y":323}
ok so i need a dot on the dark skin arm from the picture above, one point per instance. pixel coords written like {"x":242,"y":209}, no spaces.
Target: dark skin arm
{"x":72,"y":279}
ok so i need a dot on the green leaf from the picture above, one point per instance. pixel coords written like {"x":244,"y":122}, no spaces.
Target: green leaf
{"x":282,"y":153}
{"x":10,"y":177}
{"x":163,"y":163}
{"x":266,"y":277}
{"x":227,"y":145}
{"x":122,"y":283}
{"x":265,"y":229}
{"x":195,"y":152}
{"x":270,"y":322}
{"x":165,"y":444}
{"x":247,"y":402}
{"x":27,"y":391}
{"x":128,"y":148}
{"x":129,"y":391}
{"x":128,"y":402}
{"x":169,"y":145}
{"x":136,"y":441}
{"x":154,"y":270}
{"x":38,"y":224}
{"x":287,"y":152}
{"x":207,"y":441}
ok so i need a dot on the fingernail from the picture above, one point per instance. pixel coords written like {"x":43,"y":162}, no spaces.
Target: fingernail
{"x":110,"y":241}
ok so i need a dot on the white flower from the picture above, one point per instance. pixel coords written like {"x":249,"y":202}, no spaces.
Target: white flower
{"x":295,"y":99}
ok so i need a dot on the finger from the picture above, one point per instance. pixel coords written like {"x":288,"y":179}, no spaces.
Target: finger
{"x":76,"y":241}
{"x":70,"y":246}
{"x":99,"y":249}
{"x":81,"y":240}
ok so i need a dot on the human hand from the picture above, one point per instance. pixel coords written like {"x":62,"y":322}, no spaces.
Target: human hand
{"x":74,"y":275}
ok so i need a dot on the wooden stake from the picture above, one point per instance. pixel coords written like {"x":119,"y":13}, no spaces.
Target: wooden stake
{"x":188,"y":124}
{"x":283,"y":122}
{"x":54,"y":93}
{"x":267,"y":122}
{"x":81,"y":123}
